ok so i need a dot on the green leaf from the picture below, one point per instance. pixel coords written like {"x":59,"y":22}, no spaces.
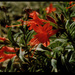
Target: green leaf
{"x":57,"y":43}
{"x":10,"y":35}
{"x":48,"y":54}
{"x":17,"y":35}
{"x":60,"y":7}
{"x":40,"y":47}
{"x":10,"y":67}
{"x":72,"y":58}
{"x":72,"y":30}
{"x":29,"y":35}
{"x":72,"y":14}
{"x":72,"y":25}
{"x":54,"y":65}
{"x":67,"y":24}
{"x":21,"y":54}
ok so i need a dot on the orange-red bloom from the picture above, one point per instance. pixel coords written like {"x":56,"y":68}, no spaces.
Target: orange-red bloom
{"x":43,"y":34}
{"x":9,"y":49}
{"x":35,"y":21}
{"x":70,"y":2}
{"x":2,"y":38}
{"x":32,"y":14}
{"x":50,"y":9}
{"x":4,"y":56}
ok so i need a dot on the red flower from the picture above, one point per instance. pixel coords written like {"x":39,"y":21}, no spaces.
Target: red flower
{"x":2,"y":38}
{"x":35,"y":21}
{"x":9,"y":49}
{"x":4,"y":56}
{"x":50,"y":9}
{"x":70,"y":2}
{"x":43,"y":34}
{"x":34,"y":41}
{"x":30,"y":24}
{"x":32,"y":14}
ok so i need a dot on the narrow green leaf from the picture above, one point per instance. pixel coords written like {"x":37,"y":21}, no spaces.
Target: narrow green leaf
{"x":10,"y":35}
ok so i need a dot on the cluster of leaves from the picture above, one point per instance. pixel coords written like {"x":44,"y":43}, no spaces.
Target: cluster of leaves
{"x":56,"y":57}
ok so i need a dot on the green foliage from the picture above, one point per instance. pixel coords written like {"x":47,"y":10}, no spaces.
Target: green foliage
{"x":59,"y":56}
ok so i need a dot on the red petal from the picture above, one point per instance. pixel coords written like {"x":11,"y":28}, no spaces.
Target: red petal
{"x":8,"y":49}
{"x":42,"y":37}
{"x":51,"y":6}
{"x":54,"y":9}
{"x":47,"y":27}
{"x":34,"y":41}
{"x":47,"y":10}
{"x":9,"y":56}
{"x":70,"y":2}
{"x":2,"y":38}
{"x":32,"y":14}
{"x":52,"y":32}
{"x":38,"y":29}
{"x":46,"y":43}
{"x":2,"y":60}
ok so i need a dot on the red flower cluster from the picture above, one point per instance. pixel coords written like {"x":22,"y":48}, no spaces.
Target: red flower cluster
{"x":41,"y":26}
{"x":4,"y":56}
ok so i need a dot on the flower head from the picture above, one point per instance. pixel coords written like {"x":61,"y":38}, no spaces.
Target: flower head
{"x":32,"y":14}
{"x":4,"y":56}
{"x":50,"y":9}
{"x":70,"y":2}
{"x":43,"y":34}
{"x":38,"y":20}
{"x":35,"y":21}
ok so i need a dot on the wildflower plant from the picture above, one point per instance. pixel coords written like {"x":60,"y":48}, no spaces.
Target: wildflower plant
{"x":41,"y":42}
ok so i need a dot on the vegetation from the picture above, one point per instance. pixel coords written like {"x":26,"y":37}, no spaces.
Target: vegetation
{"x":39,"y":37}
